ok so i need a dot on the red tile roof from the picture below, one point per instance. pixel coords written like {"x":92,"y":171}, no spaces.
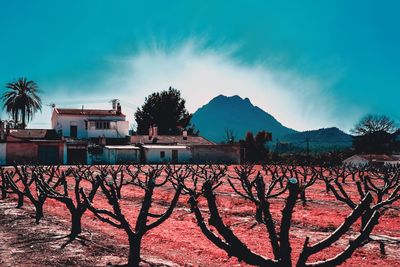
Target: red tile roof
{"x":35,"y":134}
{"x":373,"y":157}
{"x":87,"y":112}
{"x":170,"y":140}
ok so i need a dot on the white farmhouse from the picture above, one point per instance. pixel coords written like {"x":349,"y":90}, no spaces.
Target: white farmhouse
{"x":90,"y":123}
{"x":81,"y":127}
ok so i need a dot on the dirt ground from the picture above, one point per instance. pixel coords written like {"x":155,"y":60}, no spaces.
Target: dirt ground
{"x":179,"y":241}
{"x":25,"y":243}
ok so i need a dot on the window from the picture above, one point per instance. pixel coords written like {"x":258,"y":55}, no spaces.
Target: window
{"x":162,"y":154}
{"x":102,"y":125}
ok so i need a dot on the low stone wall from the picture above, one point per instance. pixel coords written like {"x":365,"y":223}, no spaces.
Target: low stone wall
{"x":223,"y":154}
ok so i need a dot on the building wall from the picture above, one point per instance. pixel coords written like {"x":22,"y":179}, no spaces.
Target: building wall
{"x":152,"y":155}
{"x":93,"y":159}
{"x":27,"y":152}
{"x":3,"y":147}
{"x":118,"y":129}
{"x":63,"y":122}
{"x":355,"y":160}
{"x":224,"y":154}
{"x":21,"y":153}
{"x":120,"y":156}
{"x":388,"y":163}
{"x":64,"y":153}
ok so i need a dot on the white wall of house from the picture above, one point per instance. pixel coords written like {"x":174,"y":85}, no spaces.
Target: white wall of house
{"x":65,"y":154}
{"x":119,"y":128}
{"x":3,"y":153}
{"x":163,"y":154}
{"x":121,"y":154}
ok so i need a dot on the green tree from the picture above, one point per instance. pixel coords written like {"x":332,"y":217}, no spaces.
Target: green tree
{"x":255,"y":150}
{"x":167,"y":111}
{"x":374,"y":134}
{"x":21,"y":100}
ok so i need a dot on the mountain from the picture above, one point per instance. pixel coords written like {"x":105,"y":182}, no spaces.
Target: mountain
{"x":236,"y":114}
{"x":322,"y":139}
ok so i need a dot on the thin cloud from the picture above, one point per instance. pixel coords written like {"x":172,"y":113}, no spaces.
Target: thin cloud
{"x":202,"y":73}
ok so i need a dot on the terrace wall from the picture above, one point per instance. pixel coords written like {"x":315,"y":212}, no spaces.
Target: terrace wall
{"x":28,"y":152}
{"x":227,"y":154}
{"x":3,"y":153}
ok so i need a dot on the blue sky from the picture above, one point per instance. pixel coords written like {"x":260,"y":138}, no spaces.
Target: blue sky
{"x":311,"y":64}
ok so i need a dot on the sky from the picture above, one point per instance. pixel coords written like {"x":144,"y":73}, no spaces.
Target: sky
{"x":311,"y":64}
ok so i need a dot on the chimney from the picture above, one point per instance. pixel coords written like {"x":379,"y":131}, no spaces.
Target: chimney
{"x":119,"y":109}
{"x":184,"y":135}
{"x":150,"y":132}
{"x":155,"y":131}
{"x":82,"y":107}
{"x":115,"y":103}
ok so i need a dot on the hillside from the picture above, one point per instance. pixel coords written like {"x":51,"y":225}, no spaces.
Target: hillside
{"x":325,"y":138}
{"x":238,"y":115}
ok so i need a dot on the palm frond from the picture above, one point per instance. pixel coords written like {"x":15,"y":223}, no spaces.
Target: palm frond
{"x":22,"y":101}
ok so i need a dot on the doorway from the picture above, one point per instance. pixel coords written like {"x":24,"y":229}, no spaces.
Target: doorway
{"x":48,"y":155}
{"x":74,"y":131}
{"x":76,"y":156}
{"x":174,"y":156}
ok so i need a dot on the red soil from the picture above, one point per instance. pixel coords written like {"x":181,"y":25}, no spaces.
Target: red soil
{"x":179,"y":240}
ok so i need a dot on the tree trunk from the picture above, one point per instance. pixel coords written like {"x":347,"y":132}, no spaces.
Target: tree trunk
{"x":365,"y":218}
{"x":303,"y":197}
{"x":76,"y":226}
{"x":286,"y":221}
{"x":3,"y":190}
{"x":20,"y":200}
{"x":259,"y":214}
{"x":134,"y":250}
{"x":39,"y":212}
{"x":23,"y":119}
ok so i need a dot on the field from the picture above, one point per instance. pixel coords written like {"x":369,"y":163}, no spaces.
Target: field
{"x":179,"y":241}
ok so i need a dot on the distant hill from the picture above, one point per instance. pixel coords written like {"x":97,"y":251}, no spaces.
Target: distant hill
{"x":322,"y":139}
{"x":238,"y":115}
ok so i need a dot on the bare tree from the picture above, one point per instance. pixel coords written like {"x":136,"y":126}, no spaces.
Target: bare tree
{"x":260,"y":189}
{"x":374,"y":123}
{"x":6,"y":176}
{"x":374,"y":134}
{"x":148,"y":180}
{"x":23,"y":182}
{"x":3,"y":184}
{"x":383,"y":183}
{"x":73,"y":202}
{"x":119,"y":175}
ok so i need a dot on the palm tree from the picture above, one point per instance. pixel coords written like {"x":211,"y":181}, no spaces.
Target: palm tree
{"x":21,"y":100}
